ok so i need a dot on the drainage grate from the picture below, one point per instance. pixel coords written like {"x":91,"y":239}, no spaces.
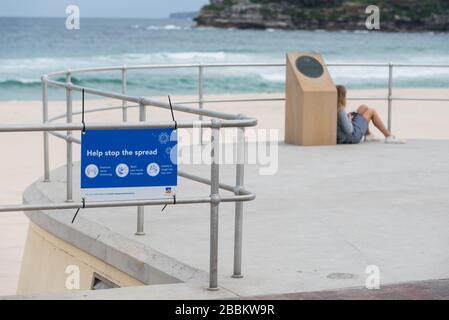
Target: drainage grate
{"x":341,"y":276}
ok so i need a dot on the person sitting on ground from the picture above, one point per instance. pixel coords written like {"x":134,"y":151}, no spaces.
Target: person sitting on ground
{"x":352,"y":128}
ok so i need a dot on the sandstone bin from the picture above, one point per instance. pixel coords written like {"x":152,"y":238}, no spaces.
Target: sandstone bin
{"x":311,"y":101}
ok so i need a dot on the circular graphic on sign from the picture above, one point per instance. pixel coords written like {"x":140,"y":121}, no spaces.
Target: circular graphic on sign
{"x":91,"y":171}
{"x":309,"y":67}
{"x":164,"y":138}
{"x":153,"y":169}
{"x":122,"y":170}
{"x":168,"y":150}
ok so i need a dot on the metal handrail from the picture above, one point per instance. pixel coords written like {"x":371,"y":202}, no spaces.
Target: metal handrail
{"x":128,"y":125}
{"x":201,"y":102}
{"x":201,"y":66}
{"x":219,"y":121}
{"x":226,"y":120}
{"x":141,"y":100}
{"x":133,"y":203}
{"x":229,"y":65}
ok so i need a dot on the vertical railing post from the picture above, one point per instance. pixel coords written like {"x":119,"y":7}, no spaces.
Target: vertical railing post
{"x":45,"y":121}
{"x":124,"y":87}
{"x":141,"y":209}
{"x":214,"y":204}
{"x":69,"y":117}
{"x":201,"y":96}
{"x":238,"y":233}
{"x":390,"y":94}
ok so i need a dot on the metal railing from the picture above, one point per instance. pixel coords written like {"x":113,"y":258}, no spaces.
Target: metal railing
{"x":389,"y":85}
{"x":202,"y":67}
{"x":219,"y":121}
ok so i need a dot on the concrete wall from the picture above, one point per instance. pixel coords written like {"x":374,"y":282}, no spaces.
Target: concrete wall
{"x":46,"y":259}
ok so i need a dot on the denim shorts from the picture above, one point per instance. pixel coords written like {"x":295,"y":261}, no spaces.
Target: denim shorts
{"x":360,"y":129}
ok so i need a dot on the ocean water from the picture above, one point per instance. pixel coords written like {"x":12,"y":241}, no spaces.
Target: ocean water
{"x":31,"y":47}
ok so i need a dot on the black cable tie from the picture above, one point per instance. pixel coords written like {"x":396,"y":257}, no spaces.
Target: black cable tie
{"x":78,"y":210}
{"x":174,"y":202}
{"x":82,"y":113}
{"x":173,"y":114}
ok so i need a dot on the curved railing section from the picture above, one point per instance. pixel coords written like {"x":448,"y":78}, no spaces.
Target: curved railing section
{"x":218,"y":121}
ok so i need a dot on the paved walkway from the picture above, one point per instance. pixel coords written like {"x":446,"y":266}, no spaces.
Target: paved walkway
{"x":317,"y":224}
{"x":423,"y":290}
{"x":412,"y":119}
{"x":13,"y":229}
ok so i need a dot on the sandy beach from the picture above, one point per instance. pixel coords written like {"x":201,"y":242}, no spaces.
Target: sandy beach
{"x":22,"y":152}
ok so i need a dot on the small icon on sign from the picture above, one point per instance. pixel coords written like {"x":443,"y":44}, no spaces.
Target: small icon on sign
{"x":91,"y":171}
{"x":164,"y":138}
{"x":168,"y":150}
{"x":153,"y":169}
{"x":168,"y":191}
{"x":122,"y":170}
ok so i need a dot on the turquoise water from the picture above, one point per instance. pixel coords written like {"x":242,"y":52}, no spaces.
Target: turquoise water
{"x":31,"y":47}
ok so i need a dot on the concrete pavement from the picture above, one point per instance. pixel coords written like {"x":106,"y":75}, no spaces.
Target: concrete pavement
{"x":317,"y":224}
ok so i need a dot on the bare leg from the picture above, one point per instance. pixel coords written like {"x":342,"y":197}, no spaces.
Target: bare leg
{"x":372,"y":115}
{"x":362,"y":109}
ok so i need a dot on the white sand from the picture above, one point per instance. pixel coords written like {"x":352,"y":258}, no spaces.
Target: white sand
{"x":22,"y":152}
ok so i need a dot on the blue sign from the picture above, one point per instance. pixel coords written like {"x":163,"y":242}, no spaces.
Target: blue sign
{"x":125,"y":165}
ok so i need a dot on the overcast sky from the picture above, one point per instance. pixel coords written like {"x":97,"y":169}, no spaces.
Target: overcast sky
{"x":98,"y":8}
